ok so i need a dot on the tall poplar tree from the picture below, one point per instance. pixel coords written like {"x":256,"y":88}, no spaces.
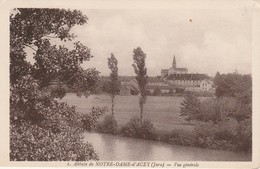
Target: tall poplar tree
{"x":114,"y":84}
{"x":141,"y":76}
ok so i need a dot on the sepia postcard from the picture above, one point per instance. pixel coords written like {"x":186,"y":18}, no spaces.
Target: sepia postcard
{"x":151,"y":84}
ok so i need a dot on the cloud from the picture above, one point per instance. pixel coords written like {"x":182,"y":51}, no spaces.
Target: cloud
{"x":217,"y":54}
{"x":213,"y":41}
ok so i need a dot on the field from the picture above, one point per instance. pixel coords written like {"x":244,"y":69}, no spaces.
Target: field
{"x":163,"y":111}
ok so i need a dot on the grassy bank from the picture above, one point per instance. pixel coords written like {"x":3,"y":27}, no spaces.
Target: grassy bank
{"x":162,"y":111}
{"x":164,"y":123}
{"x":223,"y":136}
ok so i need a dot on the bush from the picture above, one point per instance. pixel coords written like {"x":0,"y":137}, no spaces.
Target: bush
{"x":217,"y":110}
{"x":244,"y":136}
{"x":135,"y":128}
{"x":90,"y":120}
{"x":56,"y":136}
{"x":29,"y":142}
{"x":216,"y":136}
{"x":179,"y":137}
{"x":109,"y":125}
{"x":157,"y":91}
{"x":209,"y":111}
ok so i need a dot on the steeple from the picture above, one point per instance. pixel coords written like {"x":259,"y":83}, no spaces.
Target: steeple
{"x":174,"y":62}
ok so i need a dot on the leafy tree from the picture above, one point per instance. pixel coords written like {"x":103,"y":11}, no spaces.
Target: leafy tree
{"x":138,"y":129}
{"x":171,"y":92}
{"x":90,"y":120}
{"x":141,"y":76}
{"x":40,"y":127}
{"x":180,"y":90}
{"x":190,"y":107}
{"x":109,"y":125}
{"x":114,"y":83}
{"x":217,"y":110}
{"x":157,"y":91}
{"x":106,"y":86}
{"x":234,"y":85}
{"x":217,"y":79}
{"x":237,"y":86}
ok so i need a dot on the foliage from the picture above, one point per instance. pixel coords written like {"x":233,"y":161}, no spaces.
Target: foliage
{"x":179,"y":137}
{"x":244,"y":136}
{"x":157,"y":91}
{"x":109,"y":125}
{"x":135,"y":128}
{"x":90,"y":120}
{"x":217,"y":109}
{"x":234,"y":92}
{"x":148,"y":93}
{"x":42,"y":128}
{"x":171,"y":92}
{"x":47,"y":130}
{"x":114,"y":83}
{"x":31,"y":142}
{"x":217,"y":136}
{"x":90,"y":84}
{"x":190,"y":107}
{"x":234,"y":85}
{"x":217,"y":79}
{"x":237,"y":86}
{"x":33,"y":28}
{"x":242,"y":111}
{"x":180,"y":90}
{"x":141,"y":76}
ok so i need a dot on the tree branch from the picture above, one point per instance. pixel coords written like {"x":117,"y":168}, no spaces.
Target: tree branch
{"x":51,"y":36}
{"x":30,"y":47}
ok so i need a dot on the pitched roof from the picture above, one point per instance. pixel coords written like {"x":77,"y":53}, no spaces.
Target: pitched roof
{"x":182,"y":69}
{"x":187,"y":77}
{"x":164,"y":70}
{"x":161,"y":87}
{"x":155,"y":79}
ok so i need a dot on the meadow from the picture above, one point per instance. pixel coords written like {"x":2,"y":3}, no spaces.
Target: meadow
{"x":163,"y":111}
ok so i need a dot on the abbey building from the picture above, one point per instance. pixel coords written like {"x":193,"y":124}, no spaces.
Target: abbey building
{"x":173,"y":70}
{"x":171,"y":80}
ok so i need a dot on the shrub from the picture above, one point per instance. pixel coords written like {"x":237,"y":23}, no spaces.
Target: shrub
{"x":90,"y":120}
{"x":179,"y":137}
{"x":147,"y":130}
{"x":180,"y":90}
{"x":216,"y":136}
{"x":157,"y":91}
{"x":226,"y":130}
{"x":217,"y":110}
{"x":29,"y":142}
{"x":53,"y":133}
{"x":109,"y":125}
{"x":204,"y":135}
{"x":244,"y":136}
{"x":135,"y":128}
{"x":209,"y":111}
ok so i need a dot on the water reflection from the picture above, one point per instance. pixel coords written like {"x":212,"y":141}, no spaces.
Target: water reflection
{"x":116,"y":148}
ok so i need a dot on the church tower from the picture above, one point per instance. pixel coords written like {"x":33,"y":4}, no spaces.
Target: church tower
{"x":174,"y":62}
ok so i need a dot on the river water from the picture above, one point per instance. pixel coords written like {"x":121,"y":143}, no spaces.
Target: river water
{"x":117,"y":148}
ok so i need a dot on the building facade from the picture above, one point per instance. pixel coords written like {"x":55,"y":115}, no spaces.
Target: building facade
{"x":170,"y":80}
{"x":173,"y":70}
{"x":191,"y":82}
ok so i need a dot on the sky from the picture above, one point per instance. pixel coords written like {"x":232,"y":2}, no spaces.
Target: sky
{"x":204,"y":41}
